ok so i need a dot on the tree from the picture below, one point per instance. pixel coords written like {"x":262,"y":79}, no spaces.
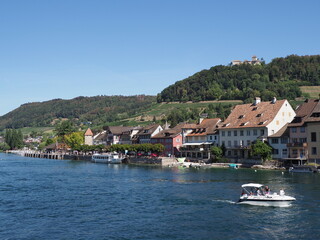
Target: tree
{"x":14,"y":138}
{"x":64,"y":128}
{"x":217,"y":152}
{"x":74,"y":139}
{"x":261,"y":149}
{"x":4,"y":147}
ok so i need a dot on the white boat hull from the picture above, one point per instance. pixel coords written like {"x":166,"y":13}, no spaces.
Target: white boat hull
{"x":112,"y":159}
{"x":274,"y":201}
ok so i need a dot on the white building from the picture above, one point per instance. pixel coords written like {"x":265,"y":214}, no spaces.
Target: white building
{"x":250,"y":122}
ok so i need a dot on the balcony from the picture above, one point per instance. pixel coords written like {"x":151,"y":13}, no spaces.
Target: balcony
{"x":297,"y":144}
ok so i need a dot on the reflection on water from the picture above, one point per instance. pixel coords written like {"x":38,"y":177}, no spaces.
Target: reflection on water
{"x":54,"y":199}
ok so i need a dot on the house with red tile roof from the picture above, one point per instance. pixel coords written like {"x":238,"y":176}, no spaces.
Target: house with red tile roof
{"x":171,"y":139}
{"x":199,"y":138}
{"x":112,"y":134}
{"x":146,"y":133}
{"x":304,"y":131}
{"x":279,"y":143}
{"x":248,"y":123}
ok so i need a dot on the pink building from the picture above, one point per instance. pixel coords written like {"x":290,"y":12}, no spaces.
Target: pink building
{"x":171,"y":139}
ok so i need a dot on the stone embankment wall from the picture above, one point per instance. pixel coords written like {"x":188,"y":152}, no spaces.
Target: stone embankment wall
{"x":164,"y":161}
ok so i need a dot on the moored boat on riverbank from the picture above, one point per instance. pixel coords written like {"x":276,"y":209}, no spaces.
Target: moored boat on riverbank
{"x":107,"y":158}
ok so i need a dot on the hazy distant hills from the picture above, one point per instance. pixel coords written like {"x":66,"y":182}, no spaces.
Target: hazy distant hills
{"x":280,"y":78}
{"x":98,"y":110}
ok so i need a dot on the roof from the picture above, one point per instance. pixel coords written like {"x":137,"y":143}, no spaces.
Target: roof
{"x":256,"y":185}
{"x":283,"y":132}
{"x":100,"y":136}
{"x":117,"y":130}
{"x":304,"y":113}
{"x":148,"y":129}
{"x":170,"y":133}
{"x":88,"y":132}
{"x":252,"y":115}
{"x":207,"y":126}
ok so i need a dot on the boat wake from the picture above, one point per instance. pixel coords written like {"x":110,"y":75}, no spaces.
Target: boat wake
{"x":224,"y":201}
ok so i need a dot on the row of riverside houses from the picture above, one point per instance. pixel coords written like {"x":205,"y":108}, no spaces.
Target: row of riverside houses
{"x":293,"y":135}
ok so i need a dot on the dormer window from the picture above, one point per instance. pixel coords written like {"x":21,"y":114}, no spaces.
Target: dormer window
{"x":254,"y":109}
{"x":241,"y":116}
{"x":261,"y":123}
{"x":315,"y":114}
{"x":259,"y":114}
{"x":226,"y":125}
{"x":243,"y":124}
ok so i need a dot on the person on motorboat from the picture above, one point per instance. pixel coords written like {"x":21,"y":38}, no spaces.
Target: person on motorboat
{"x":266,"y":190}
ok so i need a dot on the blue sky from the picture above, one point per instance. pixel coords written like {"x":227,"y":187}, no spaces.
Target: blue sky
{"x":69,"y":48}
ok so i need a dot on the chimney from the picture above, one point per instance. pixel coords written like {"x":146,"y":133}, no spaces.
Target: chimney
{"x":274,"y":99}
{"x":257,"y":101}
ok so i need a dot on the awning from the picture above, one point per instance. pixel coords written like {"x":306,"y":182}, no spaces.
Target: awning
{"x":197,"y":144}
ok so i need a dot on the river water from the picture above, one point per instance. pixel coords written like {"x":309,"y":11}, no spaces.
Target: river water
{"x":58,"y":199}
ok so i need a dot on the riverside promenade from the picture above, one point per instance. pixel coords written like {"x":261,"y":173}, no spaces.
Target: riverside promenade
{"x":163,"y":161}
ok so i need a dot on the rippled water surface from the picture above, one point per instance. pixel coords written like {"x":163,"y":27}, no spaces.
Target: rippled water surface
{"x":56,"y":199}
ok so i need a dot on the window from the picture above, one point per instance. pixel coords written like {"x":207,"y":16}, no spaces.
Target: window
{"x":248,"y":132}
{"x":241,"y":132}
{"x":314,"y":151}
{"x":229,"y":133}
{"x":235,"y":143}
{"x":294,"y":140}
{"x":284,"y":140}
{"x":255,"y":132}
{"x":229,"y":143}
{"x":223,"y":143}
{"x":223,"y":133}
{"x":293,"y":130}
{"x":302,"y":140}
{"x":178,"y":140}
{"x":275,"y":140}
{"x":261,"y":132}
{"x":302,"y":129}
{"x":275,"y":151}
{"x":235,"y":133}
{"x":294,"y":151}
{"x":284,"y":152}
{"x":313,"y":137}
{"x":248,"y":142}
{"x":229,"y":153}
{"x":210,"y":138}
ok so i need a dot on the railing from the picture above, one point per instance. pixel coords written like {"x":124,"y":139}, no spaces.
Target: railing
{"x":297,"y":144}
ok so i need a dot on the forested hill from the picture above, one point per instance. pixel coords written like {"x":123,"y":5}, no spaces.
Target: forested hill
{"x":98,"y":110}
{"x":280,"y":78}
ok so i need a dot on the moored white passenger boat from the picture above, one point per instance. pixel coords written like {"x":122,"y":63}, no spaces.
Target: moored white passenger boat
{"x":106,"y":158}
{"x":259,"y":195}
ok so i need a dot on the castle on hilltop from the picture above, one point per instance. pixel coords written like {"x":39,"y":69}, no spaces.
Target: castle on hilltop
{"x":254,"y":61}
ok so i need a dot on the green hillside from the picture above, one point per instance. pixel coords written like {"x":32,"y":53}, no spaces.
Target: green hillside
{"x":281,"y":78}
{"x":212,"y":91}
{"x":96,"y":110}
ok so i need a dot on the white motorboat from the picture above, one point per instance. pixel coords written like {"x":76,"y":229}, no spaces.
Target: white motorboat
{"x":260,"y":195}
{"x":106,"y":158}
